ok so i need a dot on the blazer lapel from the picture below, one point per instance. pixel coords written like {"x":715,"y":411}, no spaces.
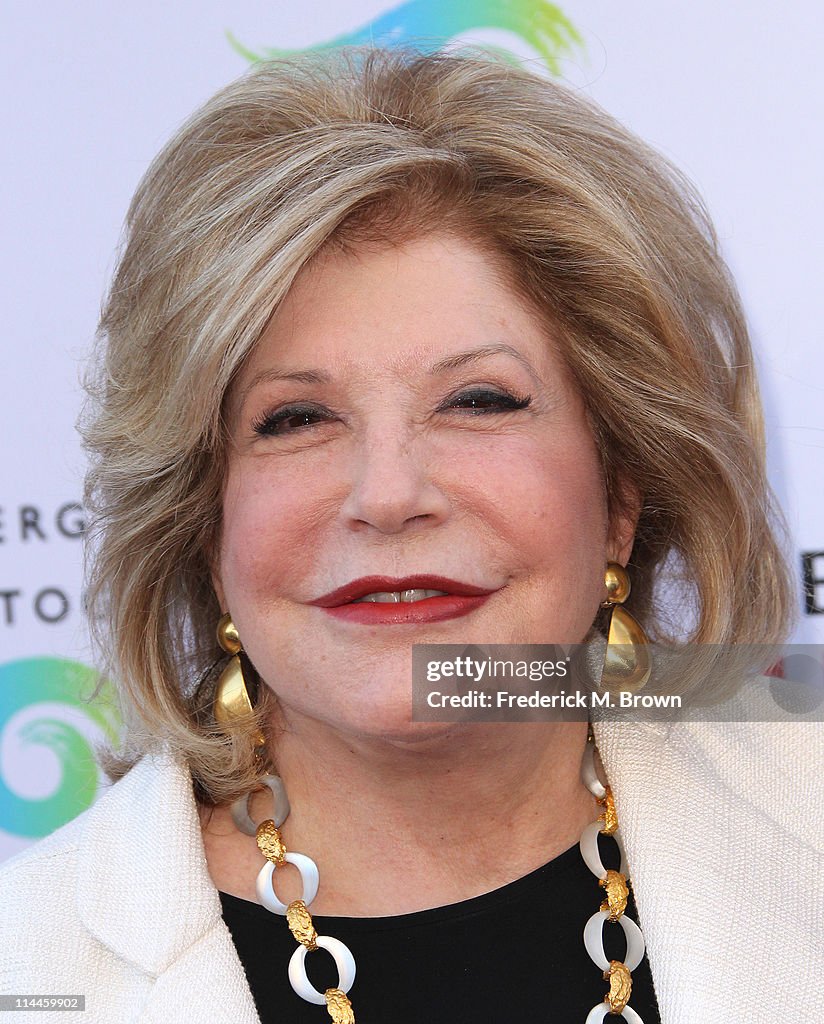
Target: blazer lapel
{"x":725,"y":851}
{"x":144,"y":891}
{"x":207,"y":983}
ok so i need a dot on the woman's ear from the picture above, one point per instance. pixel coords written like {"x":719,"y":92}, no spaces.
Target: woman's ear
{"x":626,"y":511}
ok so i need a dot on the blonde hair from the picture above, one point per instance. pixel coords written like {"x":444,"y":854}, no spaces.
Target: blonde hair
{"x":600,"y":233}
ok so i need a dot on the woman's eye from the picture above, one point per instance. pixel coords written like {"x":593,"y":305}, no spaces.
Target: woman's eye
{"x":289,"y":419}
{"x":293,"y":418}
{"x":484,"y":400}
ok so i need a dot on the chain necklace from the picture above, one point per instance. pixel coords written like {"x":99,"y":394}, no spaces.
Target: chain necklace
{"x":336,"y":1000}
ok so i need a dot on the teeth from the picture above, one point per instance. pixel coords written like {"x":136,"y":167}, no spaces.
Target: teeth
{"x":398,"y":596}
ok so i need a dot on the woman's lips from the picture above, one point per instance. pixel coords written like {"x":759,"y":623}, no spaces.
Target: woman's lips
{"x":430,"y":609}
{"x":457,"y":598}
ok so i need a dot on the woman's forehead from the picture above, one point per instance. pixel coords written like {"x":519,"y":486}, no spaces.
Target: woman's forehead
{"x":414,"y":303}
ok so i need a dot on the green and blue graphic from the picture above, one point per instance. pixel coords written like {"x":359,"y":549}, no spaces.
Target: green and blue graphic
{"x":431,"y":24}
{"x":63,"y":688}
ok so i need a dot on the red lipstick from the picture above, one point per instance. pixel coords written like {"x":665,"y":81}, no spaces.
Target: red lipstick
{"x":458,"y":599}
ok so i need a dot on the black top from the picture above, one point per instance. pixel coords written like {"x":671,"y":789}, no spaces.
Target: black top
{"x":515,"y":954}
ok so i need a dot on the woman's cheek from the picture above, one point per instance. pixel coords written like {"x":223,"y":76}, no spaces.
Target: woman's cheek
{"x":263,"y":522}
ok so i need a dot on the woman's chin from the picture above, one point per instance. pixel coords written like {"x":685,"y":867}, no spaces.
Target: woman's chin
{"x":396,"y":726}
{"x":421,"y":737}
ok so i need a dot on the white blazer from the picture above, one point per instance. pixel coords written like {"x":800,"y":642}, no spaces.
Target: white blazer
{"x":722,"y":825}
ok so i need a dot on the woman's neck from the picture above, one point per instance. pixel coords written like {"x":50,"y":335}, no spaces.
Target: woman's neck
{"x":397,"y":826}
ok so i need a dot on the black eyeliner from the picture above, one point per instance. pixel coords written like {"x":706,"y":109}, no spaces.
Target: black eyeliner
{"x":263,"y":425}
{"x":504,"y":399}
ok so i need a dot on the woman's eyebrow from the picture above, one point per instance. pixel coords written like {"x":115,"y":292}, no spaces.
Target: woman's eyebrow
{"x":452,"y":362}
{"x":448,"y":363}
{"x":301,"y":376}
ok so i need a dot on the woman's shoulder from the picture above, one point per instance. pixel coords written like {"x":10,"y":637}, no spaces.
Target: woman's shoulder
{"x":41,"y":884}
{"x":41,"y":871}
{"x":40,"y":937}
{"x":119,"y":899}
{"x":108,"y":901}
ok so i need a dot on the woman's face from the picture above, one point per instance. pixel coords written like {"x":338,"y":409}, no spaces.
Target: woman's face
{"x":405,"y":415}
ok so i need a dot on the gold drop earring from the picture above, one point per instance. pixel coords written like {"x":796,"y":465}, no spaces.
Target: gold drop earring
{"x":627,"y":662}
{"x":232,"y":698}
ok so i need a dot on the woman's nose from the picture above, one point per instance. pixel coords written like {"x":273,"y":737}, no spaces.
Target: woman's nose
{"x":392,"y":485}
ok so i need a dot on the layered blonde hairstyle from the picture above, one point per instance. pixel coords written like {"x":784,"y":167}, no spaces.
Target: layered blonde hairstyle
{"x":607,"y":241}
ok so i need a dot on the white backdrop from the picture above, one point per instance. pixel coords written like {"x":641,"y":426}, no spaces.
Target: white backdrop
{"x":732,"y":93}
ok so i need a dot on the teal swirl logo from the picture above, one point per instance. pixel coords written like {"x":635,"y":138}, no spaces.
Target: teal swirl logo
{"x":429,"y":24}
{"x":47,"y":727}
